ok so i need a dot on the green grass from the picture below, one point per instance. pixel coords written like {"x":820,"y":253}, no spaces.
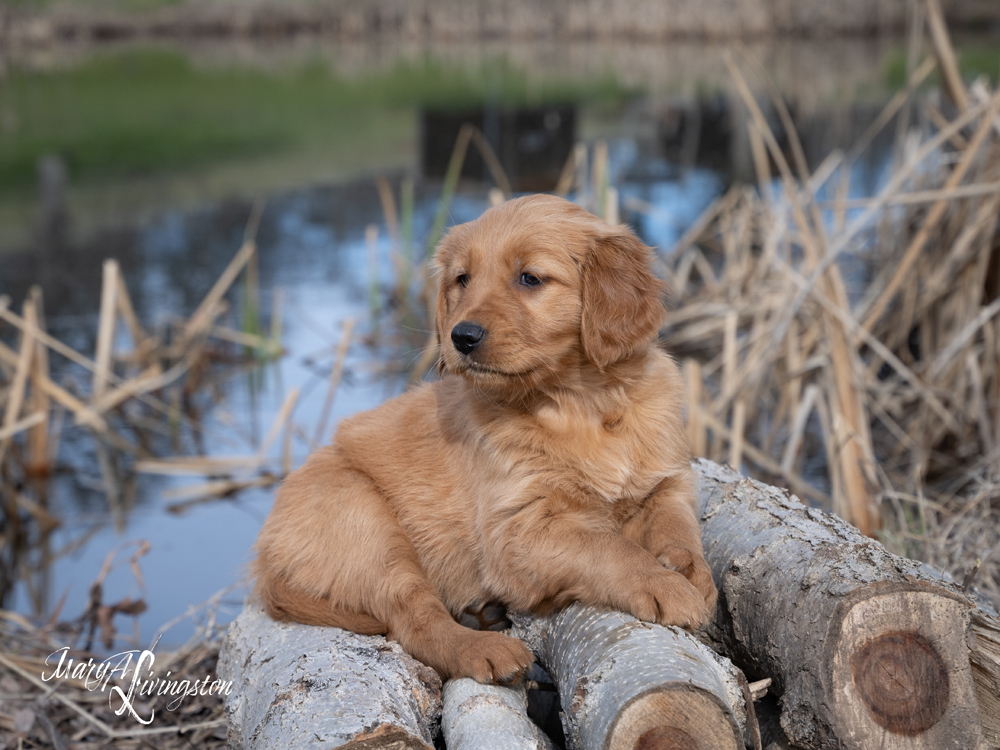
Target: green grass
{"x":981,"y":60}
{"x":974,"y":60}
{"x":142,"y":111}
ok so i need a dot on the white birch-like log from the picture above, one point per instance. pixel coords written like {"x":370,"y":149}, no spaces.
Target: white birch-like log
{"x":489,"y":717}
{"x":865,"y":650}
{"x":629,"y":685}
{"x":300,"y":686}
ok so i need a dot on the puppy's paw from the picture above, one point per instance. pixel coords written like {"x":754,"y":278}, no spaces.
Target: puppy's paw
{"x":491,"y":658}
{"x":667,"y":597}
{"x":701,"y":579}
{"x":677,"y":558}
{"x":693,"y":567}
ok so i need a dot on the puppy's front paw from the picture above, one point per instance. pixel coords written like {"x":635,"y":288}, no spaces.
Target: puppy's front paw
{"x":693,"y":567}
{"x":667,"y":597}
{"x":490,"y":658}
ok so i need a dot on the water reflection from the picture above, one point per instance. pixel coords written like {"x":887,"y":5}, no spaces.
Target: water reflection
{"x":532,"y":144}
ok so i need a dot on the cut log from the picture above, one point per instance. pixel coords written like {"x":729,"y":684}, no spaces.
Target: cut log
{"x":489,"y":717}
{"x":864,"y":649}
{"x":629,"y":685}
{"x":984,"y":655}
{"x":303,"y":686}
{"x":985,"y":658}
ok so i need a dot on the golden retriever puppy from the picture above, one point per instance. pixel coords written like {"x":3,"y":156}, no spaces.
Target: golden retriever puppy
{"x":549,"y":463}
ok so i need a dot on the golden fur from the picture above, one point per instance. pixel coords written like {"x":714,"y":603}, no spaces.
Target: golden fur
{"x":548,"y":465}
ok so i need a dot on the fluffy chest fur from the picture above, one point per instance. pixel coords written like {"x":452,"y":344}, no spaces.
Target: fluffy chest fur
{"x":613,"y":444}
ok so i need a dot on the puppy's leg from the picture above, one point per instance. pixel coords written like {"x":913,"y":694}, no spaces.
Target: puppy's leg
{"x":333,"y":538}
{"x":667,"y":526}
{"x":548,"y":551}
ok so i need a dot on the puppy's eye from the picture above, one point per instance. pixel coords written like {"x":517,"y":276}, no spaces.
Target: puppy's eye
{"x":529,"y":279}
{"x":463,"y":280}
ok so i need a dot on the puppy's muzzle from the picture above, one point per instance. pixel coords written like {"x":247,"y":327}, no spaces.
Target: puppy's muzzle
{"x":467,"y":336}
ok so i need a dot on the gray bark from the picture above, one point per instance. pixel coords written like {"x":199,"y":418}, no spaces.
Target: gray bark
{"x":623,"y":682}
{"x":489,"y":717}
{"x":299,"y":686}
{"x":864,"y":649}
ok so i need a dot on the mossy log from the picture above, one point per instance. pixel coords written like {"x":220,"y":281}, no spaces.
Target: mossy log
{"x":865,"y":650}
{"x":630,"y":685}
{"x":312,"y":687}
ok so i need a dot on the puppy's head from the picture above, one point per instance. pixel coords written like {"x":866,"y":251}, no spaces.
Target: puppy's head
{"x":537,"y":285}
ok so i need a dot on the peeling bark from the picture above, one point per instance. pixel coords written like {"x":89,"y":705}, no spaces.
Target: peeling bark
{"x":864,"y":648}
{"x":626,"y":684}
{"x":303,"y":686}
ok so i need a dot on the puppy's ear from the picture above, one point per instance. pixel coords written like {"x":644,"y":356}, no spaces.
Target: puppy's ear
{"x":622,"y":300}
{"x":441,"y":313}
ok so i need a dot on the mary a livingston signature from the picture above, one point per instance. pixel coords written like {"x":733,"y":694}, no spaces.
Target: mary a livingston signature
{"x":98,"y":675}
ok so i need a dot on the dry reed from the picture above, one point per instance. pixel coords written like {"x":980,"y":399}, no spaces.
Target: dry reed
{"x":40,"y":709}
{"x":32,"y":407}
{"x":876,"y":395}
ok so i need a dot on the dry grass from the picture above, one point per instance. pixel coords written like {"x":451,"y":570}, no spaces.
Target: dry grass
{"x":175,"y":361}
{"x":35,"y":411}
{"x":39,"y":710}
{"x":876,"y":396}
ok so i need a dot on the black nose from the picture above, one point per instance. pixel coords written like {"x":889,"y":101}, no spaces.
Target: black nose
{"x":466,"y":336}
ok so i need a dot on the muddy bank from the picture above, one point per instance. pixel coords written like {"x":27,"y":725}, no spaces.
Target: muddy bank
{"x":481,"y":19}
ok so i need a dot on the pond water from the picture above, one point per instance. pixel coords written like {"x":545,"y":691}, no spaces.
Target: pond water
{"x":161,"y":178}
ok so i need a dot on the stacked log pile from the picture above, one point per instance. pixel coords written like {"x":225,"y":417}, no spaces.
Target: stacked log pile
{"x":863,"y":648}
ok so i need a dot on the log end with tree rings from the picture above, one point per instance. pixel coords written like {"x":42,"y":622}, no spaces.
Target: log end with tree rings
{"x":900,"y":676}
{"x":666,"y":738}
{"x":674,"y":719}
{"x":903,"y":680}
